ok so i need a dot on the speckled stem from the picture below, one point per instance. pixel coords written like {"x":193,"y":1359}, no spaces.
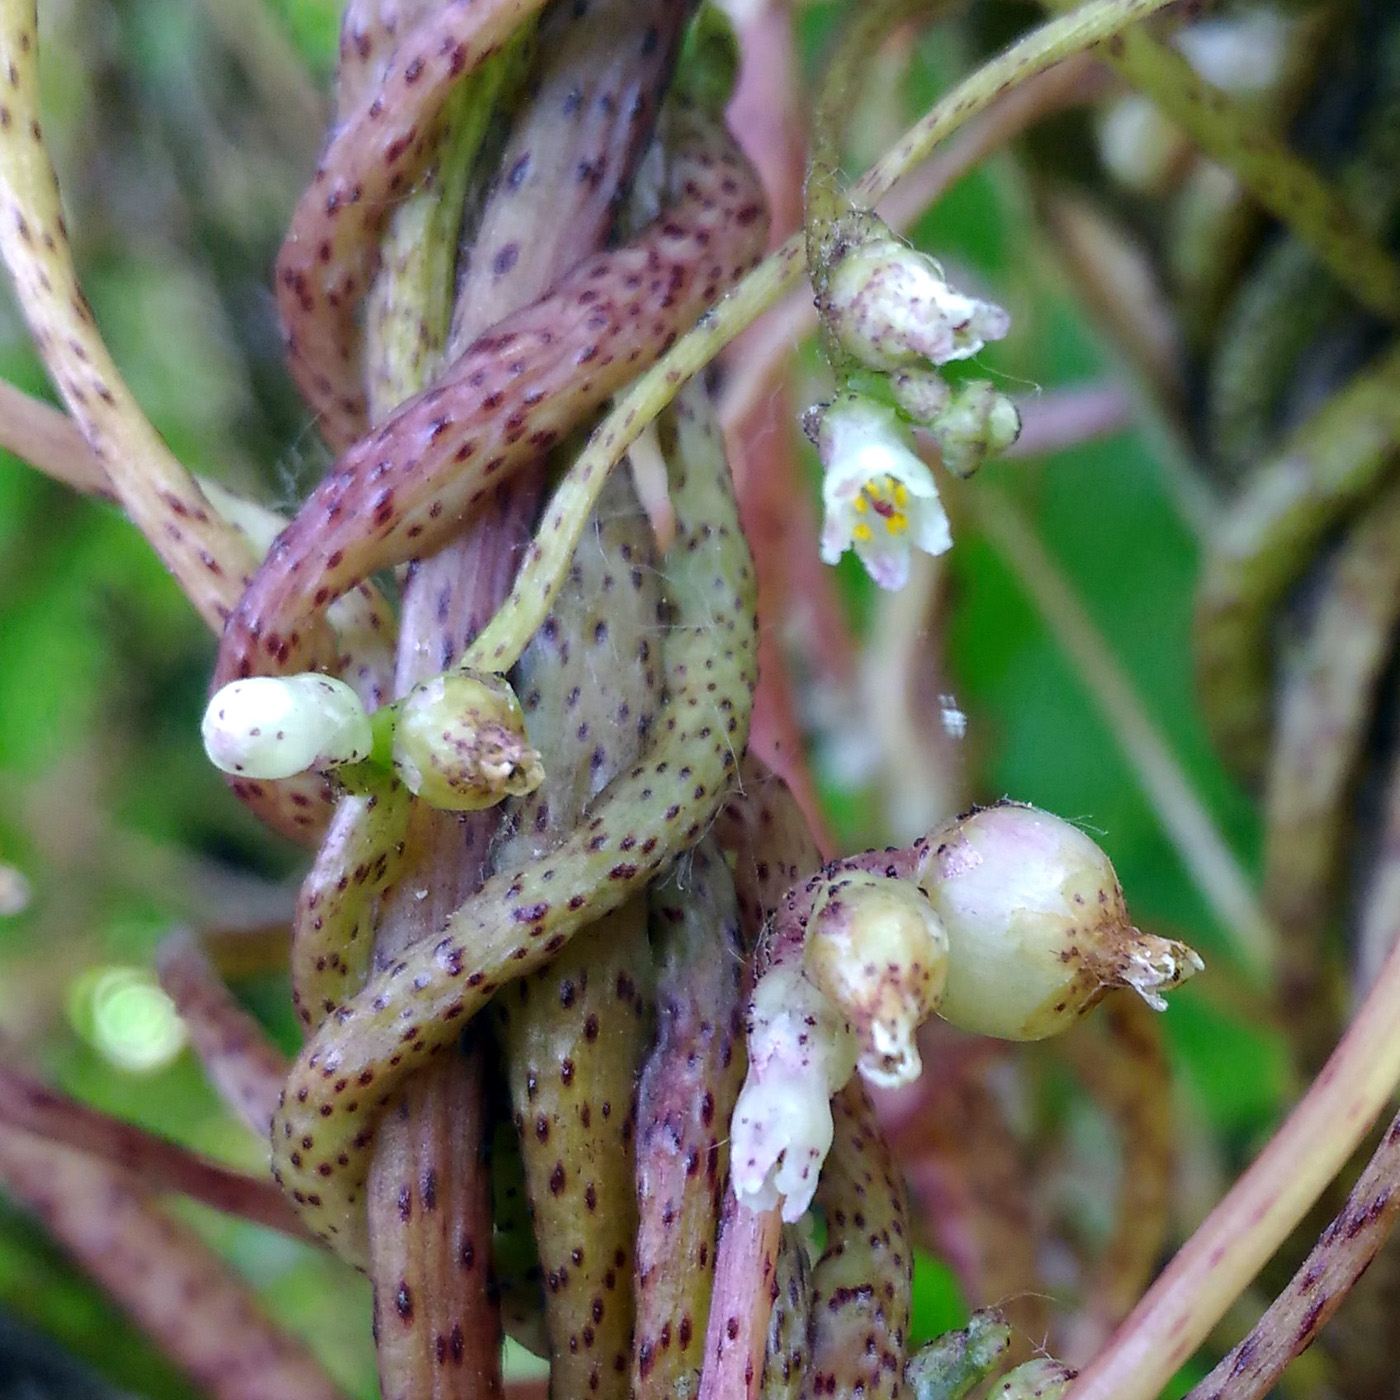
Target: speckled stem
{"x":512,"y":395}
{"x":574,"y":1033}
{"x":243,"y":1064}
{"x":862,"y":1284}
{"x":521,"y":918}
{"x":201,"y":1315}
{"x":1324,"y":714}
{"x":361,"y":855}
{"x":1328,"y":466}
{"x":762,"y":825}
{"x":370,"y":31}
{"x":741,"y":1304}
{"x":1261,"y":1209}
{"x":789,"y":1351}
{"x":428,"y":1201}
{"x":1290,"y":300}
{"x":545,"y":565}
{"x":772,"y":845}
{"x":684,"y":1103}
{"x":592,"y":103}
{"x":1288,"y":187}
{"x":35,"y":1108}
{"x":1342,"y":1253}
{"x":209,"y":560}
{"x":376,"y":154}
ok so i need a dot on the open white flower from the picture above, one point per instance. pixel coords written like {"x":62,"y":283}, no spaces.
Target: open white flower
{"x":880,"y":499}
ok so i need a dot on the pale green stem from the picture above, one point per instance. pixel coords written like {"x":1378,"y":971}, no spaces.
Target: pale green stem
{"x":1261,"y":1210}
{"x":546,"y":565}
{"x":1204,"y":852}
{"x":209,"y":560}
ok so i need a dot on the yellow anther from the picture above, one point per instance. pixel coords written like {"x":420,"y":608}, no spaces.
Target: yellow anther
{"x":901,"y":494}
{"x":861,"y":532}
{"x":862,"y":505}
{"x":898,"y":523}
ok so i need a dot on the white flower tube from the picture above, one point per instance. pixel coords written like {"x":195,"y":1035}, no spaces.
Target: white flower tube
{"x":273,"y":727}
{"x":800,"y":1052}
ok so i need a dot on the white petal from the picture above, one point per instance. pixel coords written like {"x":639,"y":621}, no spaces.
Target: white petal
{"x":887,"y":561}
{"x":929,"y":529}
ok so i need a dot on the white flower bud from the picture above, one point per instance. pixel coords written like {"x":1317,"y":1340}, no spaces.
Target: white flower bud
{"x":1036,"y":923}
{"x":800,"y":1052}
{"x":460,"y":743}
{"x":891,"y":307}
{"x":978,"y":422}
{"x":877,"y":950}
{"x":273,"y":727}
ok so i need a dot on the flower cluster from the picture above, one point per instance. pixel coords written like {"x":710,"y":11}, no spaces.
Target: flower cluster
{"x":1007,"y":922}
{"x":891,"y":310}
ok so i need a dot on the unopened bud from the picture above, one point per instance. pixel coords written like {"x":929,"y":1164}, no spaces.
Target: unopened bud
{"x":922,"y":393}
{"x":1041,"y":1379}
{"x":1036,"y":923}
{"x":272,"y":727}
{"x":877,"y":950}
{"x":460,"y":743}
{"x":890,"y":306}
{"x":953,"y":1365}
{"x":979,"y":422}
{"x":800,"y":1053}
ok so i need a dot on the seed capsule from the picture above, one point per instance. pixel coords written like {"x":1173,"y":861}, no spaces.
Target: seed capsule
{"x":1036,"y":923}
{"x":460,"y":743}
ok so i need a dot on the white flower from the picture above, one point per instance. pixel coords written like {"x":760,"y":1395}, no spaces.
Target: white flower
{"x":274,"y":726}
{"x":880,"y":499}
{"x":891,"y":306}
{"x":801,"y":1051}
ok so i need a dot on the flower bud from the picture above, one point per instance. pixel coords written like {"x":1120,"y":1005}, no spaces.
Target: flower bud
{"x":1041,"y":1379}
{"x":460,"y":743}
{"x":890,"y":306}
{"x":922,"y":393}
{"x":275,"y":726}
{"x":877,"y":950}
{"x":879,"y":498}
{"x":1036,"y":923}
{"x":953,"y":1365}
{"x":978,"y":422}
{"x":800,"y":1053}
